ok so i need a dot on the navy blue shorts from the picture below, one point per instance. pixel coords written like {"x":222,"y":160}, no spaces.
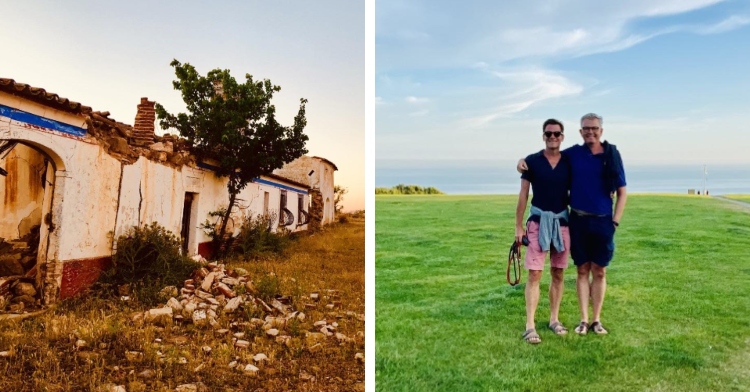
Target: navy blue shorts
{"x":591,"y":239}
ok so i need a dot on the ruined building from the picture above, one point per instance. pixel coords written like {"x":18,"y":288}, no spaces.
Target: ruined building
{"x":72,"y":178}
{"x":317,"y":174}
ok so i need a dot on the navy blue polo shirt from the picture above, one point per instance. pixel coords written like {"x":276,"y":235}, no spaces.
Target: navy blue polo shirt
{"x":548,"y":185}
{"x":587,"y":190}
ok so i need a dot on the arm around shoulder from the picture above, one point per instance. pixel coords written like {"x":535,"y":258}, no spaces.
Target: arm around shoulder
{"x":521,"y":165}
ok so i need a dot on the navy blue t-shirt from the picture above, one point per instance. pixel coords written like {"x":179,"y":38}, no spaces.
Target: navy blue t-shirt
{"x":587,"y":190}
{"x":549,"y":185}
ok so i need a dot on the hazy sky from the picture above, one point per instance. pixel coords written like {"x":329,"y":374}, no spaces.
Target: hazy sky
{"x":108,"y":55}
{"x":476,"y":79}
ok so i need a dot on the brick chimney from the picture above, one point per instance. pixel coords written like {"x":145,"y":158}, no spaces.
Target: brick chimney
{"x":143,"y":130}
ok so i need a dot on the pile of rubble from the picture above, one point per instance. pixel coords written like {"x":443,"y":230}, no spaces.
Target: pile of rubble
{"x":218,"y":298}
{"x":168,"y":149}
{"x":17,"y":274}
{"x":18,"y":295}
{"x":18,"y":257}
{"x":127,"y":143}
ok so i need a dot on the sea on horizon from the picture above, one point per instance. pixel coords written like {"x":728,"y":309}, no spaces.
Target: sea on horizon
{"x":500,"y":177}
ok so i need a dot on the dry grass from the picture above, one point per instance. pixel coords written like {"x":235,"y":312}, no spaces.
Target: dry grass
{"x":82,"y":344}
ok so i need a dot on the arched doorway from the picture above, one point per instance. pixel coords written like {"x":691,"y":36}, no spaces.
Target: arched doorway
{"x":31,"y":177}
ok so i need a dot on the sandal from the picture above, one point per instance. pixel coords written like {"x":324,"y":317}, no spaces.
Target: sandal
{"x":558,"y":328}
{"x":582,"y":328}
{"x":531,"y":337}
{"x":598,"y":328}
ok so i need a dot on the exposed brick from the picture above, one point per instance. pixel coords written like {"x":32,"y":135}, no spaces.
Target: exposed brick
{"x":316,"y":209}
{"x":143,"y":130}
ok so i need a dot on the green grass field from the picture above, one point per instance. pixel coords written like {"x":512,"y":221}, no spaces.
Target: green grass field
{"x":677,"y":305}
{"x":745,"y":198}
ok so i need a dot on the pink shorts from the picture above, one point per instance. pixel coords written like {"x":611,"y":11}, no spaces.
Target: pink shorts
{"x":534,"y":254}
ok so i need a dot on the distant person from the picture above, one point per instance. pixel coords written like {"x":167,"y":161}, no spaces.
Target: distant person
{"x":597,"y":173}
{"x":548,"y":175}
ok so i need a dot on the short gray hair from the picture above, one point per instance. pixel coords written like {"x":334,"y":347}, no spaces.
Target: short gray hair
{"x":593,"y":116}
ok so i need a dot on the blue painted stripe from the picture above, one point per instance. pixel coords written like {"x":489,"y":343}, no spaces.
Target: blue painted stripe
{"x":33,"y":119}
{"x":276,"y":184}
{"x":207,"y":166}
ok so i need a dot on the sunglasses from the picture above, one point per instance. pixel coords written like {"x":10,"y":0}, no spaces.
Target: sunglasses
{"x":593,"y":129}
{"x":549,"y":134}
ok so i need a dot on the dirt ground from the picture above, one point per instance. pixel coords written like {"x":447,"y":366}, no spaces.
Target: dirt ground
{"x":97,"y":343}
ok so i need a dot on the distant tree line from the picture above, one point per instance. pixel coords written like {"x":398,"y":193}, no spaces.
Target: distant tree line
{"x":402,"y":189}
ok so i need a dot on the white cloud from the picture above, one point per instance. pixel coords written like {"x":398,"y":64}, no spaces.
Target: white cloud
{"x":500,"y":31}
{"x":416,"y":100}
{"x":522,"y":89}
{"x":731,"y":23}
{"x":671,"y":7}
{"x":413,"y":35}
{"x":487,"y":69}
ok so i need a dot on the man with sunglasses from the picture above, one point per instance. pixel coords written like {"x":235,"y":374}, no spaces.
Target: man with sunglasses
{"x":548,"y":175}
{"x":597,"y":174}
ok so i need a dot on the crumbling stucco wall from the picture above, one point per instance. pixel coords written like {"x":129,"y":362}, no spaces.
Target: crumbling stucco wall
{"x":61,"y":137}
{"x":325,"y":171}
{"x":255,"y":194}
{"x":152,"y":192}
{"x":321,"y":179}
{"x":93,"y":193}
{"x":299,"y":170}
{"x":250,"y":201}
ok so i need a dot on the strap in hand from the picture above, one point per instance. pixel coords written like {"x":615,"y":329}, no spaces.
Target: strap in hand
{"x":514,"y":262}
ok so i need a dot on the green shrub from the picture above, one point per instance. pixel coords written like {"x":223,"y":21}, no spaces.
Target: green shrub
{"x":268,"y":287}
{"x":402,"y":189}
{"x":256,"y":238}
{"x":148,"y":258}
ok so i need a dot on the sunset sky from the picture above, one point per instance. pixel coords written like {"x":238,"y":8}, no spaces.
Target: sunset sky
{"x":108,"y":55}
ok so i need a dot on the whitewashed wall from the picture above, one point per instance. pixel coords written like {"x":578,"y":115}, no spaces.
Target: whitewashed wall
{"x":86,"y":183}
{"x":89,"y":203}
{"x":324,"y":171}
{"x":152,"y":192}
{"x":96,"y":195}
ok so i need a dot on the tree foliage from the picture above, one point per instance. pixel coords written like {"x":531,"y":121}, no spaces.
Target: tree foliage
{"x":338,"y":197}
{"x":402,"y":189}
{"x":234,"y":124}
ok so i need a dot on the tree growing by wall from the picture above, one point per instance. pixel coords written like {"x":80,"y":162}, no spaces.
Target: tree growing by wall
{"x":338,"y":197}
{"x":234,"y":124}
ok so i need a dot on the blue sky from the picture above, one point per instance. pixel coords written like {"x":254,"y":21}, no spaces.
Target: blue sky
{"x":476,"y":79}
{"x":109,"y":54}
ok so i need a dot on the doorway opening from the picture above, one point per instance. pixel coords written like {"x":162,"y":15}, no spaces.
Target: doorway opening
{"x":189,"y":216}
{"x":27,"y":182}
{"x":266,"y":199}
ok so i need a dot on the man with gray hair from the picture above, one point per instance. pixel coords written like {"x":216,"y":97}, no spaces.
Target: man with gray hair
{"x":597,"y":173}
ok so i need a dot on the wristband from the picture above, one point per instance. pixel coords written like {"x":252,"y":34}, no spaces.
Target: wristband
{"x":616,"y":224}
